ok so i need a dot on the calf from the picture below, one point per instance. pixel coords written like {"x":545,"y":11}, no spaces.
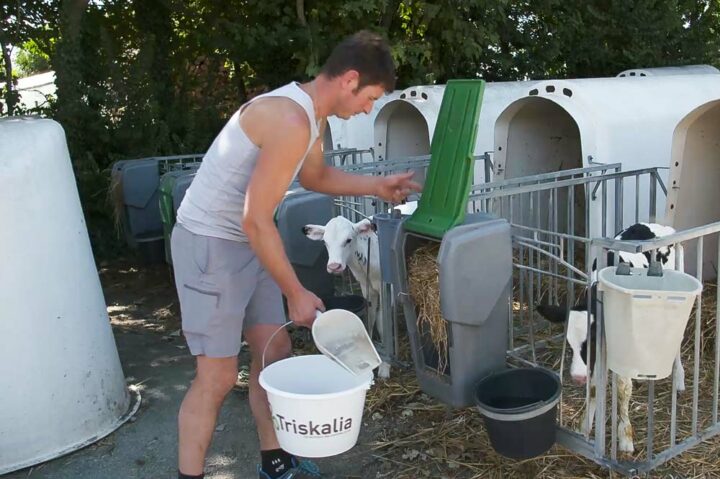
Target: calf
{"x":353,"y":245}
{"x":349,"y":245}
{"x":577,"y":334}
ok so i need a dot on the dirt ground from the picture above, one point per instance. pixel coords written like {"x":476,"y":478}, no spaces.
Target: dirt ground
{"x":143,"y":309}
{"x":405,"y":433}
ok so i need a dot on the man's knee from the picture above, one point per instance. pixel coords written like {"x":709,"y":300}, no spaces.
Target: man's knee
{"x":216,"y":378}
{"x":275,"y":353}
{"x":277,"y":349}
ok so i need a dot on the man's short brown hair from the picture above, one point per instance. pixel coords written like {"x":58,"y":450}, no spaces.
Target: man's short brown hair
{"x":367,"y":53}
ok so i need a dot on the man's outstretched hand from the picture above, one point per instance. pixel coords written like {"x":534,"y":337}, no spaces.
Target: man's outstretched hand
{"x":395,"y":188}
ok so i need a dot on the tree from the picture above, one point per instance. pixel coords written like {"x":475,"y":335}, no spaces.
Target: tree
{"x":20,"y":22}
{"x":603,"y":37}
{"x":151,"y":77}
{"x":31,"y":59}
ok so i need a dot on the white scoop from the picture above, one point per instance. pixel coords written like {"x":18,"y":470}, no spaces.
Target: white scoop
{"x":341,"y":336}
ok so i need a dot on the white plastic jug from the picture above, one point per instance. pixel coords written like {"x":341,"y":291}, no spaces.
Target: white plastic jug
{"x":341,"y":336}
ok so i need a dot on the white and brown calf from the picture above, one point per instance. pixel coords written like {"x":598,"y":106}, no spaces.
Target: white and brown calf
{"x":577,"y":333}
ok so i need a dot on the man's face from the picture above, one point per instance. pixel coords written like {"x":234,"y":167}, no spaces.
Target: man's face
{"x":353,"y":100}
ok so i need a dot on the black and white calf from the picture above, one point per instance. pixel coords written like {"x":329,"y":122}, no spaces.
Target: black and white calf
{"x":577,"y":333}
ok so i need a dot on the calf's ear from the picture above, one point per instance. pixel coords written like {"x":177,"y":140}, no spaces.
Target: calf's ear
{"x":314,"y":232}
{"x":554,"y":314}
{"x":364,"y":227}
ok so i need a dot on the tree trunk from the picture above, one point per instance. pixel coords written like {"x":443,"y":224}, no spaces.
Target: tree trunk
{"x":240,"y":84}
{"x":11,"y":96}
{"x":300,"y":8}
{"x":68,"y":55}
{"x":389,"y":15}
{"x":67,"y":63}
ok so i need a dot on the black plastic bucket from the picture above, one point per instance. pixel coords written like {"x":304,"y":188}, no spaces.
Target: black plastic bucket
{"x":520,"y":410}
{"x":151,"y":247}
{"x":351,"y":302}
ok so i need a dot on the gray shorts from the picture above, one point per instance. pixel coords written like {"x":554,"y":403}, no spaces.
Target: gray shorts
{"x":223,"y":289}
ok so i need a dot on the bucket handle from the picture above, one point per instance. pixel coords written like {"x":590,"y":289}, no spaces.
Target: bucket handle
{"x":317,"y":315}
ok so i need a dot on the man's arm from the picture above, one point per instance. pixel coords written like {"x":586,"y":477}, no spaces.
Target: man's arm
{"x":317,"y":176}
{"x":275,"y":166}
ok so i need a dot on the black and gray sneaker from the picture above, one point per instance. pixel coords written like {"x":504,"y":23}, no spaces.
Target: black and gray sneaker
{"x":302,"y":469}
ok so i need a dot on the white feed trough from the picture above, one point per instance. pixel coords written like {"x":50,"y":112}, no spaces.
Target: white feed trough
{"x":60,"y":376}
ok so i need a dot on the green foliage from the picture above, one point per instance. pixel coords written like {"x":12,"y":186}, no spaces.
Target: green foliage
{"x":20,"y":22}
{"x":31,"y":59}
{"x":604,"y":37}
{"x":152,"y":77}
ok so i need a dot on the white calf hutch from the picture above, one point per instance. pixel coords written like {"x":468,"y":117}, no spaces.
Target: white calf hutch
{"x":565,"y":124}
{"x":663,"y":71}
{"x":541,"y":127}
{"x":405,"y":125}
{"x":63,"y":386}
{"x":693,"y":195}
{"x":357,"y":131}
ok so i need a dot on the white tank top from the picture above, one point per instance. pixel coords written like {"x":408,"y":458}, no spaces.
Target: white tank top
{"x":214,"y":202}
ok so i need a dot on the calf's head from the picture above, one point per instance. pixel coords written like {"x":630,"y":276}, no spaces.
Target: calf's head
{"x":340,"y":236}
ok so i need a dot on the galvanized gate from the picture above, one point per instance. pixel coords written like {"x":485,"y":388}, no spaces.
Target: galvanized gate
{"x":559,"y":224}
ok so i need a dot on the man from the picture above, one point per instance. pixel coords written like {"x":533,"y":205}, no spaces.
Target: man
{"x":230,"y":266}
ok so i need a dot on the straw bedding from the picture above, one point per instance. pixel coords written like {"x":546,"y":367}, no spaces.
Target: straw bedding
{"x":416,"y":436}
{"x":424,"y":288}
{"x":426,"y":439}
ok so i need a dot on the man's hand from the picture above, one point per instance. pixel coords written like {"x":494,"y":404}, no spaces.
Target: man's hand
{"x":302,"y":307}
{"x":395,"y":188}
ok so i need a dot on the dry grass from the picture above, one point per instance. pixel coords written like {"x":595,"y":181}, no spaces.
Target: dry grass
{"x":417,"y":436}
{"x":424,"y":288}
{"x":115,"y":200}
{"x":425,"y":439}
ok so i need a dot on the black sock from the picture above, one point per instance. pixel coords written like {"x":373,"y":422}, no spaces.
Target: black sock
{"x":276,"y":462}
{"x":186,"y":476}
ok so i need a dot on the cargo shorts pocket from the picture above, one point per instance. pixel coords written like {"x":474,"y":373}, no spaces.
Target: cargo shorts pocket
{"x":198,"y":306}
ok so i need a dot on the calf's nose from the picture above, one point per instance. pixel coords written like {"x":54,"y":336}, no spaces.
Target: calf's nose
{"x":334,"y":268}
{"x":579,"y":380}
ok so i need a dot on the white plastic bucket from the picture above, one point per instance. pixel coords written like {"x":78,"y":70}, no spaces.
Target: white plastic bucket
{"x":316,"y":404}
{"x":645,"y":319}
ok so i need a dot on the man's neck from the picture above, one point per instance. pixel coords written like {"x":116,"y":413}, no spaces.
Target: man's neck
{"x":320,"y":90}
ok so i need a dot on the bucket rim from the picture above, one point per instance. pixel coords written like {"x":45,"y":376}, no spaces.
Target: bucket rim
{"x":365,"y":385}
{"x":604,"y":283}
{"x":520,"y":413}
